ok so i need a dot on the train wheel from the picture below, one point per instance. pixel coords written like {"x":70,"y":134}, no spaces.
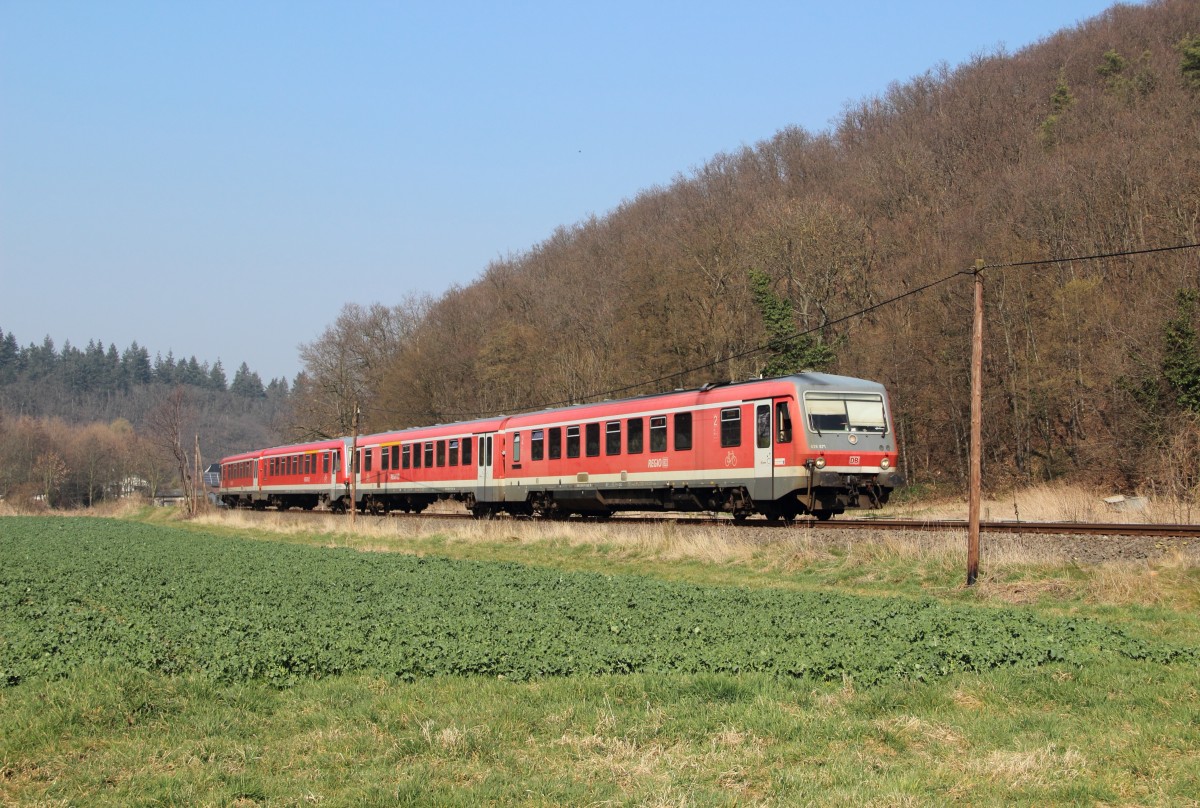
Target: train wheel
{"x":823,"y":515}
{"x":482,"y":512}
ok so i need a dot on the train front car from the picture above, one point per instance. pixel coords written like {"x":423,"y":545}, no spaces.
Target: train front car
{"x":840,"y":450}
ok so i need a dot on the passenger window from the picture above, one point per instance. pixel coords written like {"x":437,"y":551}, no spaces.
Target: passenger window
{"x":731,"y":427}
{"x":537,"y":444}
{"x":633,"y":442}
{"x":658,"y":433}
{"x":592,"y":434}
{"x":406,"y":456}
{"x":683,"y":431}
{"x":441,"y":453}
{"x":416,"y":455}
{"x":466,"y":451}
{"x":555,"y":443}
{"x":612,"y":438}
{"x":369,"y":453}
{"x":516,"y":447}
{"x":454,"y":453}
{"x":429,"y":455}
{"x":572,"y":441}
{"x":385,"y":458}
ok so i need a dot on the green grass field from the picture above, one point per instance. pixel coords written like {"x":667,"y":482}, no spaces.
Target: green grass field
{"x":153,"y":663}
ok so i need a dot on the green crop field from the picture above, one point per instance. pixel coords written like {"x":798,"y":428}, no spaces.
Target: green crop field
{"x":349,"y":678}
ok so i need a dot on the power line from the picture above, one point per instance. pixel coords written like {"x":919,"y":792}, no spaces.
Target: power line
{"x":773,"y":344}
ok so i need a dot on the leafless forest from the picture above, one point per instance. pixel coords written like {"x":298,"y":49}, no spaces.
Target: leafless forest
{"x":1087,"y":143}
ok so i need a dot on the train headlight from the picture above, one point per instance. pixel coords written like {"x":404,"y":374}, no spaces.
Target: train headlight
{"x":885,"y":463}
{"x":820,"y":462}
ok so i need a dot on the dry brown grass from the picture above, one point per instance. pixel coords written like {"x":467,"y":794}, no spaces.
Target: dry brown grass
{"x":1058,"y":503}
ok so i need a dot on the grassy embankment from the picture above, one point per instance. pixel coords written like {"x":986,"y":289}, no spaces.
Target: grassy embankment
{"x":1114,"y":729}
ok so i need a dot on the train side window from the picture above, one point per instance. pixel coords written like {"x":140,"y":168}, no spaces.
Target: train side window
{"x":612,"y":438}
{"x":295,"y":464}
{"x":572,"y":441}
{"x":783,"y":423}
{"x":441,"y":453}
{"x":658,"y":433}
{"x":762,"y":426}
{"x":683,"y":431}
{"x":357,"y":460}
{"x":537,"y":444}
{"x":324,"y":462}
{"x":385,"y":458}
{"x":466,"y":451}
{"x":555,"y":442}
{"x":516,"y":447}
{"x":406,"y":456}
{"x":633,"y":440}
{"x":396,"y":457}
{"x":489,"y":451}
{"x":592,"y":439}
{"x":370,"y":453}
{"x":429,"y":454}
{"x":416,"y":455}
{"x":337,"y":459}
{"x":731,"y":427}
{"x":454,"y":452}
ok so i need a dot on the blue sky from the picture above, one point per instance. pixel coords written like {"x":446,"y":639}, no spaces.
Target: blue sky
{"x":219,"y":178}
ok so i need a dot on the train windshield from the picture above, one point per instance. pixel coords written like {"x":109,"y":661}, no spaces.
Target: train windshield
{"x":845,"y":412}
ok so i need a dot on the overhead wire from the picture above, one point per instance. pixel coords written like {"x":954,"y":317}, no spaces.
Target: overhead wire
{"x":775,"y":343}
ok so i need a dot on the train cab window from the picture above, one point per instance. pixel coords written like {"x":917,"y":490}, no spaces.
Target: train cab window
{"x":612,"y":438}
{"x":845,"y":412}
{"x":658,"y":433}
{"x":572,"y":441}
{"x":454,"y":452}
{"x":633,"y":440}
{"x":406,"y":456}
{"x":441,"y":453}
{"x":731,"y":427}
{"x":555,"y":441}
{"x":537,"y":444}
{"x":762,"y":426}
{"x":466,"y":451}
{"x":683,"y":431}
{"x":592,"y":438}
{"x":429,"y":454}
{"x":783,"y":423}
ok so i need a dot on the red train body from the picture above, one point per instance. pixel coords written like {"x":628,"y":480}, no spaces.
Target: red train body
{"x":810,"y":443}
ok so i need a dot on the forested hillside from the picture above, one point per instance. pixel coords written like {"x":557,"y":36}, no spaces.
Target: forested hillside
{"x":76,"y":424}
{"x":1084,"y":144}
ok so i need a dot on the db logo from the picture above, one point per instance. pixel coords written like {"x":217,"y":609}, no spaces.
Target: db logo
{"x":855,"y":460}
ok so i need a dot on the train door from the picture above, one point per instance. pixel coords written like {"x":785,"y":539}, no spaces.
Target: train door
{"x":764,"y":454}
{"x":484,"y":482}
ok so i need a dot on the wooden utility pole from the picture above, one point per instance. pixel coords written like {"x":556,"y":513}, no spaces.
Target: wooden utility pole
{"x":974,"y":496}
{"x":354,"y":466}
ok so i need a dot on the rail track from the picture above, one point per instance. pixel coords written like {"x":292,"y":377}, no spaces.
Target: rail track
{"x":1009,"y":527}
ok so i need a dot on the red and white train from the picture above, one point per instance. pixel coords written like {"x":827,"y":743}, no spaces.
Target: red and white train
{"x":810,"y":443}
